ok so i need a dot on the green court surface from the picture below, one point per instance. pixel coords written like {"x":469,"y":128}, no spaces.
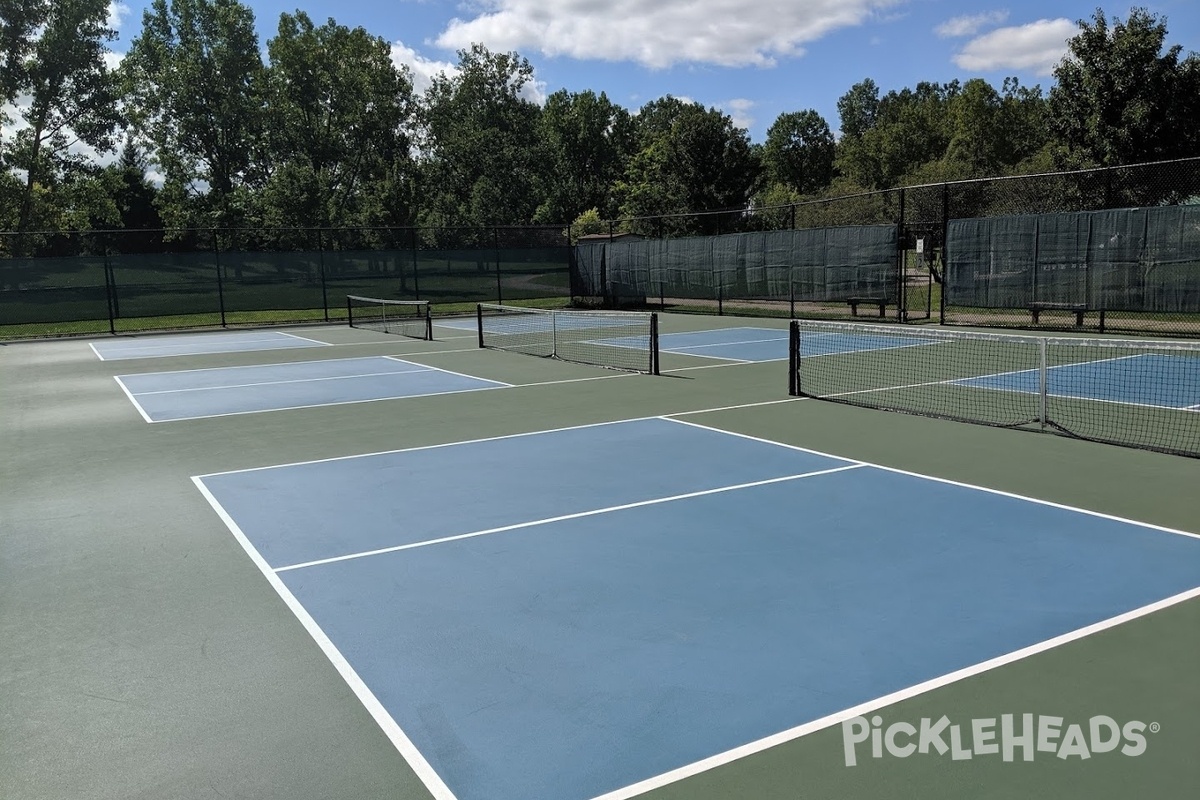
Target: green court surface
{"x":145,"y":656}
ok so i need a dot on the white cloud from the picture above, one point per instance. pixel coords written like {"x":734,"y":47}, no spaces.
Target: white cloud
{"x":422,"y":71}
{"x":1038,"y":47}
{"x":659,"y":34}
{"x":738,"y":110}
{"x":969,"y":25}
{"x":117,"y":12}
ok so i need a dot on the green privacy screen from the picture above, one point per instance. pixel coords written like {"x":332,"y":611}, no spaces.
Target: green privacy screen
{"x":819,"y":264}
{"x":1136,"y":259}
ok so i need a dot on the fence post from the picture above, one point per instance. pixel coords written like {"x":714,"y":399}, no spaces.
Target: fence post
{"x":496,"y":240}
{"x":412,"y":235}
{"x":110,"y":291}
{"x":901,"y":266}
{"x":324,"y":282}
{"x":945,"y":253}
{"x":220,"y":283}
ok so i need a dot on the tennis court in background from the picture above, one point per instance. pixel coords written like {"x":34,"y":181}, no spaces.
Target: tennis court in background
{"x":193,"y":344}
{"x":596,"y":584}
{"x":201,"y":393}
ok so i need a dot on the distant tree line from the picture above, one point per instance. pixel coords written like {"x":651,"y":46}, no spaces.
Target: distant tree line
{"x":326,"y":131}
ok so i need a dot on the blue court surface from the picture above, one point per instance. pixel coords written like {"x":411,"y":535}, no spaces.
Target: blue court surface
{"x":567,"y":614}
{"x":197,"y":393}
{"x":1152,"y":380}
{"x":198,"y":344}
{"x":771,"y":344}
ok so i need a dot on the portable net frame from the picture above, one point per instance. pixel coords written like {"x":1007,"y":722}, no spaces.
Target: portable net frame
{"x":611,"y":339}
{"x":403,"y":317}
{"x":1143,"y":394}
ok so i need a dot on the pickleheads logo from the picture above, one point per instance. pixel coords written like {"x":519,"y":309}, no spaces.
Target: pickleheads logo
{"x":1008,"y":736}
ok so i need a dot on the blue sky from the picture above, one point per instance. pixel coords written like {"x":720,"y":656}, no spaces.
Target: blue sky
{"x":754,"y":59}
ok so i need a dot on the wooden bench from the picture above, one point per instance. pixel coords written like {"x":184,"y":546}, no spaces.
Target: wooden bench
{"x":1078,"y":309}
{"x":854,"y":303}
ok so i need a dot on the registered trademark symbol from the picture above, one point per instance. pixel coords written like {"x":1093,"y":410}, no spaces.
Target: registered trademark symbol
{"x":1155,"y":727}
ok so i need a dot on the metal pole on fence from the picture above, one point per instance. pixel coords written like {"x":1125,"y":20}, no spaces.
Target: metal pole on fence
{"x":110,"y":291}
{"x":324,"y":282}
{"x":945,"y":251}
{"x":499,"y":291}
{"x":220,"y":283}
{"x":901,"y":256}
{"x":416,"y":264}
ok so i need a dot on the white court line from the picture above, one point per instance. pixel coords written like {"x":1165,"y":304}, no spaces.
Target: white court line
{"x":783,"y":338}
{"x":276,"y":383}
{"x":330,"y":405}
{"x":565,"y":517}
{"x":1000,"y":492}
{"x":97,"y":352}
{"x":399,"y":739}
{"x":301,"y":338}
{"x":264,"y":366}
{"x":132,"y":399}
{"x":451,"y":372}
{"x":207,"y":336}
{"x":1193,"y":408}
{"x":513,"y":435}
{"x":863,"y":709}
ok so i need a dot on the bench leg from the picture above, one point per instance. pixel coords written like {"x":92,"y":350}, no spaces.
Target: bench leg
{"x":1078,"y":319}
{"x":882,"y":314}
{"x":854,"y":309}
{"x":1035,"y":315}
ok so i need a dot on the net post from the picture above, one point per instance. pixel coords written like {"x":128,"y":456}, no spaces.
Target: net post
{"x":1042,"y":382}
{"x":554,"y":334}
{"x":654,"y":344}
{"x":349,"y":312}
{"x":479,"y":322}
{"x":428,"y":323}
{"x":794,"y":359}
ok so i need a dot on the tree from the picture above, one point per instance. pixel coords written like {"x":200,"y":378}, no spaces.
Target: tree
{"x":72,"y":97}
{"x":194,"y":78}
{"x":689,"y":159}
{"x":799,"y":151}
{"x":588,"y":141}
{"x":908,"y":129}
{"x":133,"y":196}
{"x":858,"y":108}
{"x":338,"y":110}
{"x":482,"y":160}
{"x":1121,"y":98}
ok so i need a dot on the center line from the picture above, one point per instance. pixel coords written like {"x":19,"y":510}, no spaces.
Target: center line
{"x":565,"y":517}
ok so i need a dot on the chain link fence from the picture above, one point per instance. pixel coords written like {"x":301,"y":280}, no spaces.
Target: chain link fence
{"x":123,"y":281}
{"x":1105,"y":250}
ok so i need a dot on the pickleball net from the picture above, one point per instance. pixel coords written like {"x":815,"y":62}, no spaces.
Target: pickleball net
{"x":403,"y":317}
{"x":615,"y":340}
{"x":1143,"y":394}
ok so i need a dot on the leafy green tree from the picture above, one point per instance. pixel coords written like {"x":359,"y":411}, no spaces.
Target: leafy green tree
{"x":858,"y":108}
{"x":338,"y":110}
{"x":908,"y":129}
{"x":194,"y":78}
{"x":588,"y":141}
{"x":689,"y":159}
{"x":481,"y":155}
{"x":1122,"y":98}
{"x":72,"y":100}
{"x":799,"y":151}
{"x":133,"y":198}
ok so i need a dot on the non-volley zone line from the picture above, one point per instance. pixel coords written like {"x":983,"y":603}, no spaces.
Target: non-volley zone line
{"x":198,"y":394}
{"x":583,"y":603}
{"x":199,"y":344}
